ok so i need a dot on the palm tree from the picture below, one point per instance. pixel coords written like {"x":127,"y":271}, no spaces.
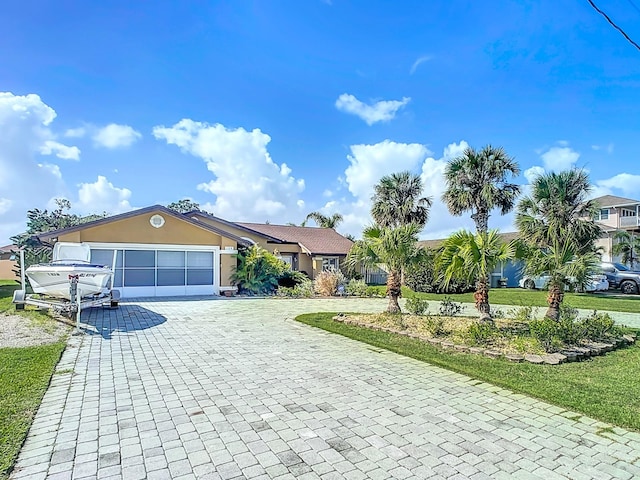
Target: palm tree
{"x":627,"y":246}
{"x":473,"y":257}
{"x":477,"y":182}
{"x":556,"y":222}
{"x":324,"y":221}
{"x":397,"y":201}
{"x":394,"y":248}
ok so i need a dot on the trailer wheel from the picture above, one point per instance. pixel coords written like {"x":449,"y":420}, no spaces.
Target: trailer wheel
{"x":113,"y":304}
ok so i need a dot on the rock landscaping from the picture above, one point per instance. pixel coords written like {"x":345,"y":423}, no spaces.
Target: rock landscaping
{"x":508,"y":339}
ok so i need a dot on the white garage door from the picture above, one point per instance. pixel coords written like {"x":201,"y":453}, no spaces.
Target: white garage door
{"x":145,"y":270}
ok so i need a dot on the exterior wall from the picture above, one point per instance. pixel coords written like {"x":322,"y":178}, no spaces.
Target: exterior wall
{"x":6,"y":267}
{"x":139,"y":230}
{"x":227,"y":267}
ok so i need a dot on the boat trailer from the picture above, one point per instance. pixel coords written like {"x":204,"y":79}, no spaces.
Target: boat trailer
{"x":68,"y":308}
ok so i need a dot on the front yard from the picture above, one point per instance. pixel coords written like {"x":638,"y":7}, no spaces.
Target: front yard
{"x":605,"y":388}
{"x":25,"y":371}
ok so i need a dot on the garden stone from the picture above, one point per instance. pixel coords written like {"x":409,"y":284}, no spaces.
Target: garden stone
{"x":476,"y":350}
{"x":461,"y":348}
{"x":492,"y":354}
{"x":609,"y":347}
{"x":531,"y":358}
{"x":585,"y":351}
{"x":571,"y":355}
{"x":551,"y":360}
{"x":514,"y":358}
{"x":629,"y":338}
{"x":447,"y":345}
{"x":434,"y":341}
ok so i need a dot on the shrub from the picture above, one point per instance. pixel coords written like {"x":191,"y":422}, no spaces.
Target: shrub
{"x":449,"y":308}
{"x":424,"y":278}
{"x":356,"y":287}
{"x":480,"y":334}
{"x":326,"y":283}
{"x":598,"y":326}
{"x":290,"y":278}
{"x":435,"y":325}
{"x":521,"y":314}
{"x":497,"y":313}
{"x":570,"y":330}
{"x":257,"y":270}
{"x":417,"y":305}
{"x":546,"y":332}
{"x":303,"y":289}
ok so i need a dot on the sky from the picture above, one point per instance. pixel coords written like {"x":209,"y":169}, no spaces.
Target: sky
{"x":268,"y":110}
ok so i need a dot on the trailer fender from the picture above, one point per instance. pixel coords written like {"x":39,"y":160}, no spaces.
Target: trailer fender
{"x":18,"y":299}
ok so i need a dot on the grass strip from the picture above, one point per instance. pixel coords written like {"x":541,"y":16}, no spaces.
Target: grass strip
{"x":605,"y":387}
{"x":25,"y":374}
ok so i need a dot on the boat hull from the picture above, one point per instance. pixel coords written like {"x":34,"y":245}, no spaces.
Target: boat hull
{"x":53,"y":280}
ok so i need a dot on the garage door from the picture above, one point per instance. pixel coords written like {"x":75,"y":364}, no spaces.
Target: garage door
{"x":141,"y":272}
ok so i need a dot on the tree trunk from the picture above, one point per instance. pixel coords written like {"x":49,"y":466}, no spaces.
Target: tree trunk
{"x":481,"y":297}
{"x":554,"y":299}
{"x":393,"y":291}
{"x":481,"y":220}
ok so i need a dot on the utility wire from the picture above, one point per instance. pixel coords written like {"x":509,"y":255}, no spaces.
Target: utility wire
{"x":613,"y":24}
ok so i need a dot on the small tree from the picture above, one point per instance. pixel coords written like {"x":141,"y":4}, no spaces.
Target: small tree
{"x":627,"y":246}
{"x":391,"y":248}
{"x":257,"y":271}
{"x":324,"y":221}
{"x":398,"y":200}
{"x":474,"y":257}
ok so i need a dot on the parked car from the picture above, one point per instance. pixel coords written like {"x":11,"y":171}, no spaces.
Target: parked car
{"x":620,"y":277}
{"x":598,"y":283}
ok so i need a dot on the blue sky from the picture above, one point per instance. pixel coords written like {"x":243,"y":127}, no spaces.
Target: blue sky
{"x":267,"y":110}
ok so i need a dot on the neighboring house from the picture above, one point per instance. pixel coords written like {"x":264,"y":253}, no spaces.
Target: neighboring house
{"x":616,"y":213}
{"x":155,"y":251}
{"x":306,"y":249}
{"x":8,"y":262}
{"x":510,"y":270}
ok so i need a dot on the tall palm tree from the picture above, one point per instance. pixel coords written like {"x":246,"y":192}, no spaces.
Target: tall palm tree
{"x":558,"y":209}
{"x":556,"y":222}
{"x":627,"y":246}
{"x":477,"y":181}
{"x":398,"y":200}
{"x":324,"y":221}
{"x":393,"y":248}
{"x":473,"y":257}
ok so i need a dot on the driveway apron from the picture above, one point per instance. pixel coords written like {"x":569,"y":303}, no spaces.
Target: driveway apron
{"x":234,"y":388}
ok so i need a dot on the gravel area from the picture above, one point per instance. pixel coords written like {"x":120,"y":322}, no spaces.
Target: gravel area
{"x":18,"y":331}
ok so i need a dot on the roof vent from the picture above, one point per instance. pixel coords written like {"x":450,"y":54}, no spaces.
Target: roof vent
{"x":156,"y":221}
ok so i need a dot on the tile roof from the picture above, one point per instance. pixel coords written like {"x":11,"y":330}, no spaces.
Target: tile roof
{"x":8,"y":248}
{"x":434,"y":244}
{"x":612,"y":201}
{"x":318,"y":241}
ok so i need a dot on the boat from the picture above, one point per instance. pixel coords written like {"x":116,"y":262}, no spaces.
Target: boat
{"x":69,"y":259}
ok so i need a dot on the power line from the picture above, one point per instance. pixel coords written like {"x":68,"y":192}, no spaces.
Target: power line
{"x":613,"y":24}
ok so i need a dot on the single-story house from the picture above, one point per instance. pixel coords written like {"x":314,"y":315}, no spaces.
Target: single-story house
{"x":8,"y":262}
{"x":155,"y":251}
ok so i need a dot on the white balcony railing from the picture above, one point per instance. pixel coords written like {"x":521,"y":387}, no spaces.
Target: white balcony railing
{"x":629,"y":221}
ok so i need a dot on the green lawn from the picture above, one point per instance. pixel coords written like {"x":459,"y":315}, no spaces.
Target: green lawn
{"x":606,"y":387}
{"x":611,"y":301}
{"x":24,"y":377}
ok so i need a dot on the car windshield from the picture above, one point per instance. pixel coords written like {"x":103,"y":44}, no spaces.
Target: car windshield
{"x":620,"y":267}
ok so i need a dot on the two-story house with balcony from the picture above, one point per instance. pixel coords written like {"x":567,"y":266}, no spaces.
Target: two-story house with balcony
{"x":616,"y":213}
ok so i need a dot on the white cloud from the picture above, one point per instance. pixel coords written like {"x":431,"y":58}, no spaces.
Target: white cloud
{"x":61,"y":151}
{"x":623,"y":184}
{"x":559,"y":158}
{"x":248,"y":184}
{"x":532,"y":173}
{"x":116,"y":136}
{"x":25,"y":183}
{"x":102,"y":196}
{"x":75,"y":132}
{"x":381,"y":111}
{"x":607,"y":148}
{"x":418,"y":62}
{"x":368,"y":163}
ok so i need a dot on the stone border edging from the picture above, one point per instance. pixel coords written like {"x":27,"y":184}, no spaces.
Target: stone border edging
{"x":573,"y":354}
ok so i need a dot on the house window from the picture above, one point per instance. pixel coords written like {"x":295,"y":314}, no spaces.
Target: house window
{"x":628,"y":213}
{"x":330,"y":264}
{"x":603,"y":215}
{"x":288,"y":259}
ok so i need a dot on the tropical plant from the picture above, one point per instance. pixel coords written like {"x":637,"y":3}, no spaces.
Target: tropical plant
{"x":627,"y":246}
{"x":557,"y":211}
{"x":392,"y":248}
{"x":184,"y":206}
{"x":557,"y":227}
{"x":397,"y":201}
{"x":474,"y":257}
{"x":257,"y":271}
{"x":327,"y":282}
{"x":477,"y":181}
{"x":324,"y":221}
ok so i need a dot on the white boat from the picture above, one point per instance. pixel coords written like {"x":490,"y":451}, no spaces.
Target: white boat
{"x":69,"y":259}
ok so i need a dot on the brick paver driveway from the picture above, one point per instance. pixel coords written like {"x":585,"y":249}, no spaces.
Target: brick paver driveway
{"x":236,"y":389}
